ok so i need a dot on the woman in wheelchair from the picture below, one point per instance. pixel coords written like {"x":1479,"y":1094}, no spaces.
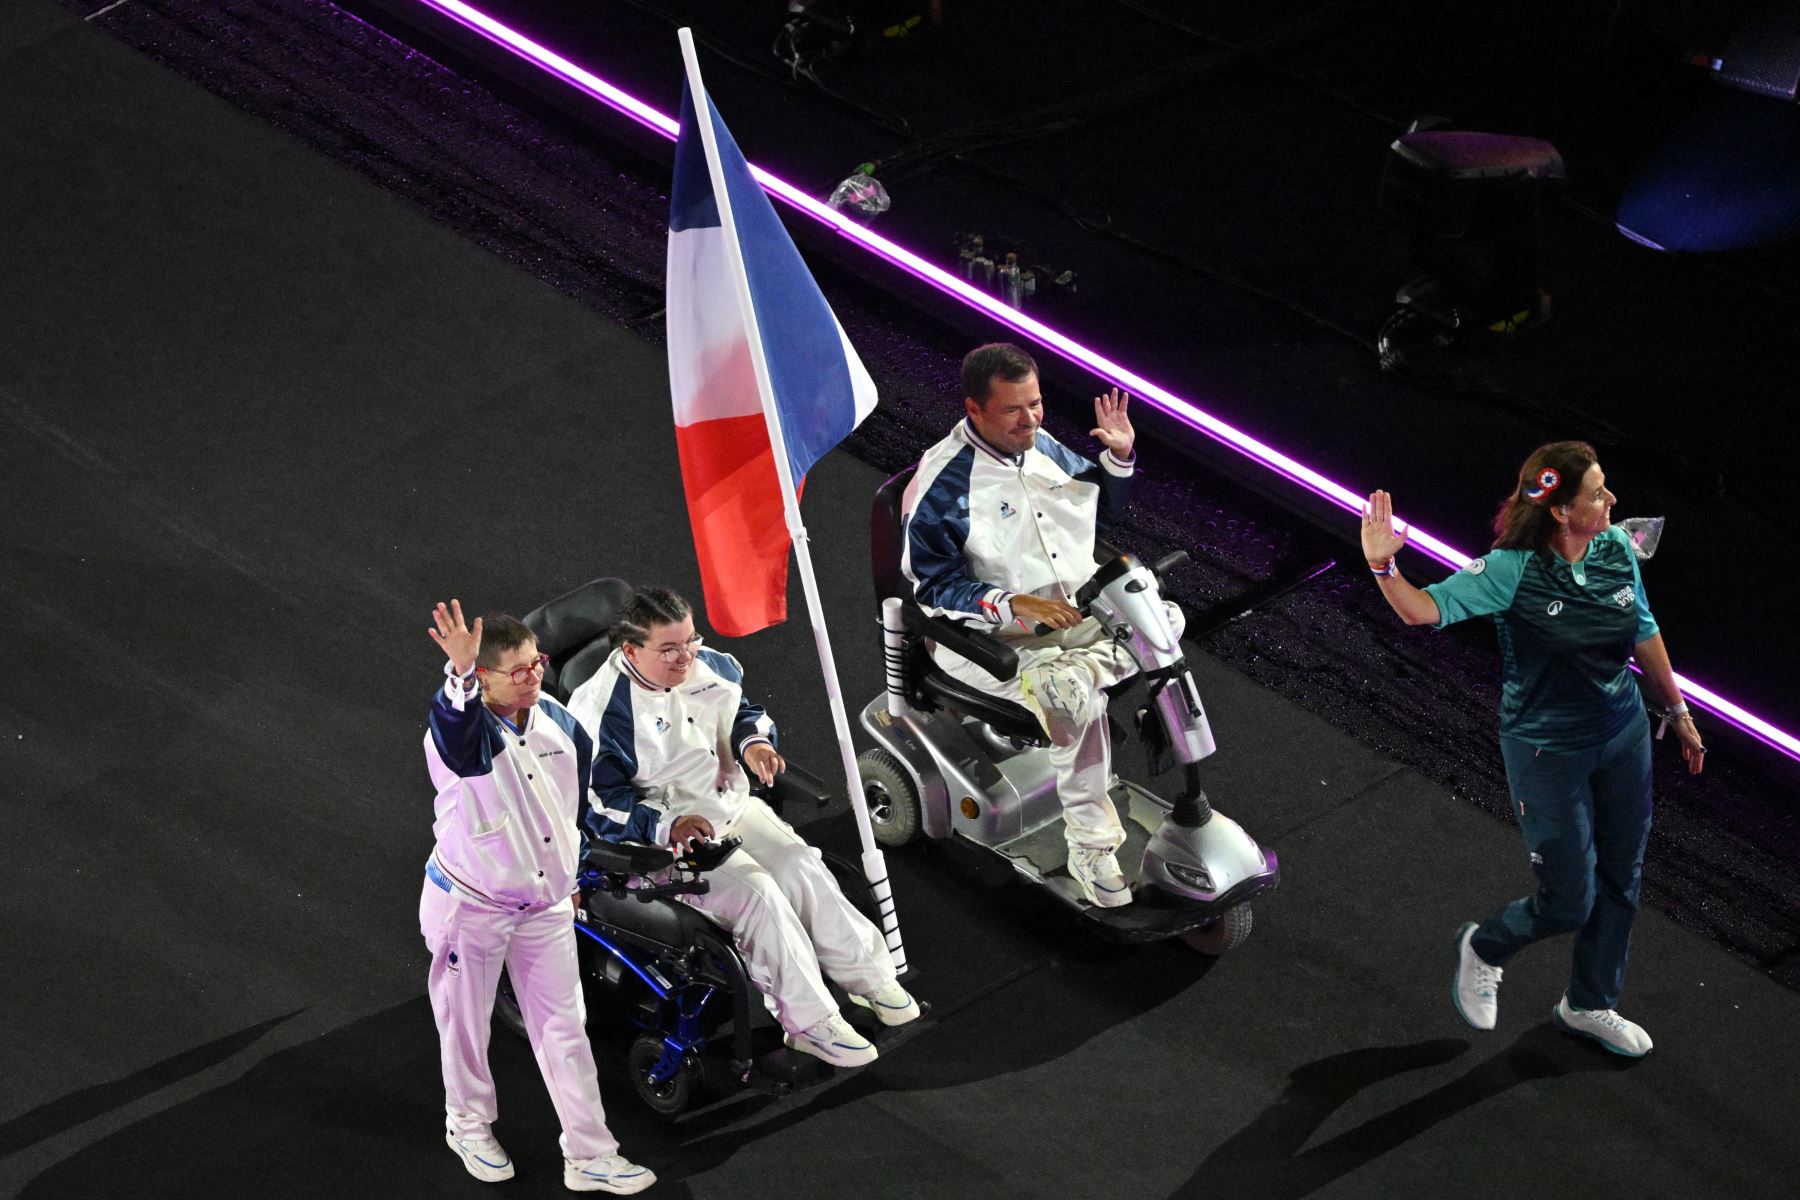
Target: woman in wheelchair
{"x":674,"y":743}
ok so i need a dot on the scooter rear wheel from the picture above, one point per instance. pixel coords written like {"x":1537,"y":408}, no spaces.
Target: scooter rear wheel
{"x":1226,"y":933}
{"x":669,"y":1098}
{"x":892,"y":798}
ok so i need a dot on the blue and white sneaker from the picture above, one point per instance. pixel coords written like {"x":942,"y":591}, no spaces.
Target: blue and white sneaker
{"x":893,"y":1004}
{"x":608,"y":1173}
{"x":834,"y":1041}
{"x":1604,"y":1026}
{"x":482,"y":1156}
{"x":1096,"y":872}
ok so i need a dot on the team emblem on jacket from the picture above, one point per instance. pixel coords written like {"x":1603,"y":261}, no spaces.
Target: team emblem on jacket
{"x":1625,"y":596}
{"x":1007,"y":510}
{"x":1555,"y":607}
{"x":455,"y":967}
{"x":662,"y":726}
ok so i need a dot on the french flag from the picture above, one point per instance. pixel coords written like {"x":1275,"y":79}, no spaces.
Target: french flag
{"x":820,"y":389}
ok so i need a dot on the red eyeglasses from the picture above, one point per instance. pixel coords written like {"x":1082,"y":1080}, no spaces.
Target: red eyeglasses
{"x":523,"y":673}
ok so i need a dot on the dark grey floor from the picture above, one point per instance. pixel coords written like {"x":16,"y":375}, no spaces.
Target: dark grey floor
{"x":259,"y":414}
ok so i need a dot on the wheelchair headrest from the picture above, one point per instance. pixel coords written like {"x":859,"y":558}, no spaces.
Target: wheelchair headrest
{"x":574,"y":620}
{"x":885,"y":520}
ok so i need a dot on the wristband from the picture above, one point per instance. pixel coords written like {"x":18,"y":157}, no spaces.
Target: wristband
{"x":1384,"y":570}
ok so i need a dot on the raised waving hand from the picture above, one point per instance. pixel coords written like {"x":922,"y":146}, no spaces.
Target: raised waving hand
{"x":460,"y":644}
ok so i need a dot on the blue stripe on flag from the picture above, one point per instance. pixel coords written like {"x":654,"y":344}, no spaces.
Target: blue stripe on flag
{"x":691,"y":204}
{"x":813,"y":391}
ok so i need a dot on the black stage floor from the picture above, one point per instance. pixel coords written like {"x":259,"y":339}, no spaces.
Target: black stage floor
{"x":260,"y":414}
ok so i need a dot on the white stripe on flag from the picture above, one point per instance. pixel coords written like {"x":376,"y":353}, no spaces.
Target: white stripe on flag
{"x":710,"y":372}
{"x":861,"y":386}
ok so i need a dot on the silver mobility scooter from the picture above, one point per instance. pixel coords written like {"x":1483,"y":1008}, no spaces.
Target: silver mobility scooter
{"x":957,"y":762}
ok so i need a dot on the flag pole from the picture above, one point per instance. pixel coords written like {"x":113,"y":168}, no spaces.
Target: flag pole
{"x":873,"y":863}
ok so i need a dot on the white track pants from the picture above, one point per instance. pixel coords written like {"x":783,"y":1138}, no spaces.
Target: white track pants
{"x":790,"y":920}
{"x":469,"y":942}
{"x":1084,"y":769}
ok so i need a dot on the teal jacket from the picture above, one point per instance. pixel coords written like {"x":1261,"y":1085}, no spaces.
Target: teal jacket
{"x":1567,"y":631}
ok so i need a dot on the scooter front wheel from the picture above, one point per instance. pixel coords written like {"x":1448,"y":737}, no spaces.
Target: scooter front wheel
{"x":1226,"y":933}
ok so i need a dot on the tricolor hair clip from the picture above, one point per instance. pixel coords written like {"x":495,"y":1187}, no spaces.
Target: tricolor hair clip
{"x":1546,"y":482}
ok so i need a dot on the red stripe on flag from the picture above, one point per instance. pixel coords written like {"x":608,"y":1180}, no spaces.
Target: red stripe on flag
{"x":740,"y":531}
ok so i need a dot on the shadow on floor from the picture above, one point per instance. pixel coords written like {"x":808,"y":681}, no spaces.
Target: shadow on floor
{"x":1266,"y":1158}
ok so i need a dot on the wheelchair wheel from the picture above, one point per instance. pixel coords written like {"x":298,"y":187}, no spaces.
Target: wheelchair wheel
{"x":893,"y":800}
{"x":1226,"y":933}
{"x":669,"y":1098}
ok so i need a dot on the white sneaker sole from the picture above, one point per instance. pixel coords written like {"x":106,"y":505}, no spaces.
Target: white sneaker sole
{"x":834,"y":1055}
{"x":484,"y":1171}
{"x":625,"y":1185}
{"x":1556,"y":1018}
{"x":1100,"y":898}
{"x":889,"y":1016}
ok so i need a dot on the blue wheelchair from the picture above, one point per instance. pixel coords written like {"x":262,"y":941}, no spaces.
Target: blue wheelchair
{"x":701,"y":1024}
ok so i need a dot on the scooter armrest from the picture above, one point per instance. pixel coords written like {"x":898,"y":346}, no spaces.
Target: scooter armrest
{"x":989,"y":653}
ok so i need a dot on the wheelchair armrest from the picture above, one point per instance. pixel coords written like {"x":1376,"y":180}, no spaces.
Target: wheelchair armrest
{"x":627,"y":858}
{"x":985,"y":651}
{"x":793,"y":786}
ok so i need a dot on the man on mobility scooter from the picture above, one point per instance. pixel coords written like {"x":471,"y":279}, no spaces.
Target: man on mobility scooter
{"x":1000,"y":528}
{"x":1001,"y":634}
{"x":671,"y":726}
{"x":511,"y":767}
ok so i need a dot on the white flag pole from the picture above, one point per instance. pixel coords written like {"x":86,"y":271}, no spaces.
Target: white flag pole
{"x":874,"y":865}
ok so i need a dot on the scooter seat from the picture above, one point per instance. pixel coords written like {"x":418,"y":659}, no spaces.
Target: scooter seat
{"x":1002,"y":716}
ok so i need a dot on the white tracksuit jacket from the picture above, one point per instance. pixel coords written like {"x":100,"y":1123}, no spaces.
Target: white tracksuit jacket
{"x":509,"y":804}
{"x":662,"y":753}
{"x":983,"y":525}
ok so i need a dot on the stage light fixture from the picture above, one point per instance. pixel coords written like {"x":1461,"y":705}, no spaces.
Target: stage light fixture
{"x":1471,"y":203}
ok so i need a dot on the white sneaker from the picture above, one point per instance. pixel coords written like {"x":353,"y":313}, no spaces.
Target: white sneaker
{"x":835,"y":1042}
{"x":892,"y":1004}
{"x":1096,"y":871}
{"x":607,"y":1173}
{"x":482,"y":1156}
{"x":1604,"y":1026}
{"x":1057,"y":695}
{"x":1476,"y":988}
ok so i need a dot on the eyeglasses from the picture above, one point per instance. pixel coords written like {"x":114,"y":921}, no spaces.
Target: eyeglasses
{"x":681,"y":653}
{"x":523,"y":673}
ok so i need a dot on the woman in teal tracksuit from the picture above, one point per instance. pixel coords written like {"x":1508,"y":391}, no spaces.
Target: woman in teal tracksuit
{"x":1563,"y":588}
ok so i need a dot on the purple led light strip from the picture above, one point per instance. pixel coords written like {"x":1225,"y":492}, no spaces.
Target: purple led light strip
{"x":1113,"y":372}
